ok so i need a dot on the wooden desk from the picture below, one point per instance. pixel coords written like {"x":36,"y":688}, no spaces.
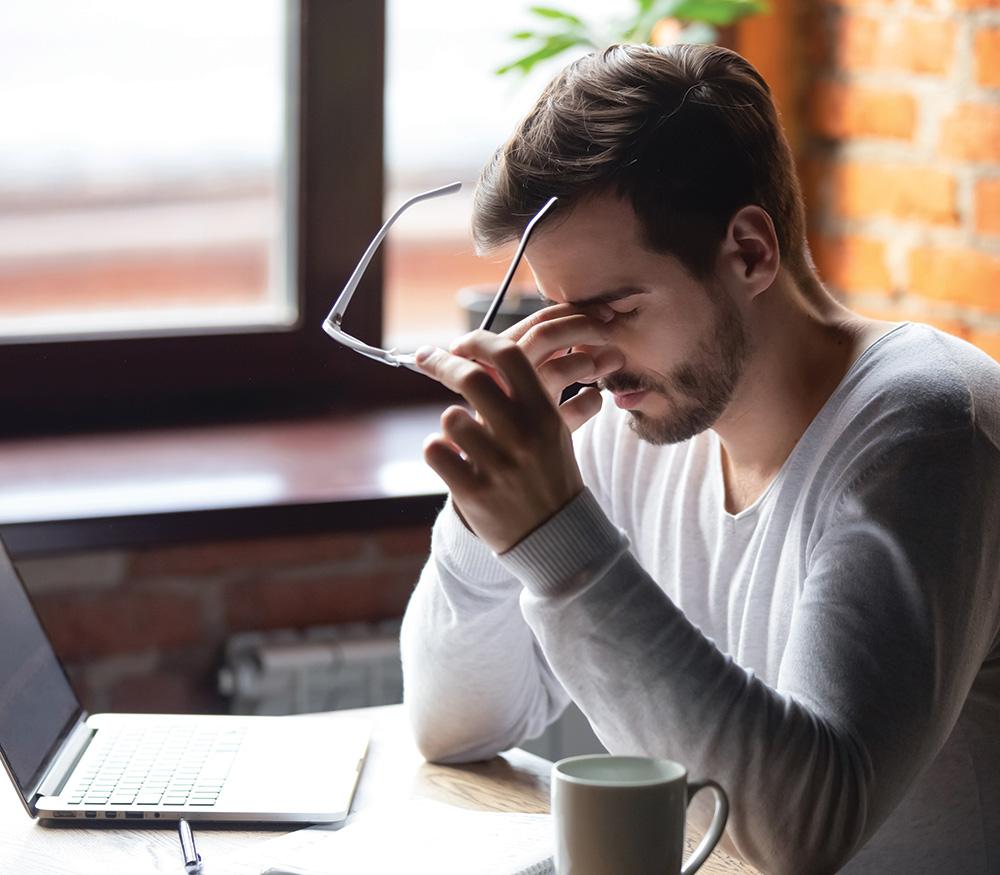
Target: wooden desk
{"x":517,"y":781}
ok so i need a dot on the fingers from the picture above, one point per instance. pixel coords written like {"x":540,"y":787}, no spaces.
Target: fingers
{"x":543,"y":341}
{"x":558,"y":373}
{"x":471,"y":437}
{"x":464,"y":371}
{"x":578,"y":367}
{"x":600,"y":312}
{"x":519,"y":329}
{"x":442,"y":458}
{"x":479,"y":385}
{"x":581,"y":407}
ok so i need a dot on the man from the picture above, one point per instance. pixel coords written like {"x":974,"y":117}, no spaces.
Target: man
{"x":775,"y":558}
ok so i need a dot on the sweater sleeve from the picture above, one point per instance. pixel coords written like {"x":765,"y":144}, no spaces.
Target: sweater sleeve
{"x":897,"y":611}
{"x":474,"y":679}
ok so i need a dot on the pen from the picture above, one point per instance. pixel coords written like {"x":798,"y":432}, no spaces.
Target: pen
{"x":192,"y":859}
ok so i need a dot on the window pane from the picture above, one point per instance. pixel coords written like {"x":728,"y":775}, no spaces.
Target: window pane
{"x":446,"y":111}
{"x":142,"y":167}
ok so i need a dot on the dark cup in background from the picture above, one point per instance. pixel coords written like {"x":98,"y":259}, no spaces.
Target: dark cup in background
{"x":520,"y":302}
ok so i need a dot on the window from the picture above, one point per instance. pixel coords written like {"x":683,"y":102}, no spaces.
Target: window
{"x":188,"y":186}
{"x":184,"y":192}
{"x":138,"y":193}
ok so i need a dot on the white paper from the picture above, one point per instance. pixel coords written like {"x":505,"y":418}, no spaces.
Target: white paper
{"x":419,"y":837}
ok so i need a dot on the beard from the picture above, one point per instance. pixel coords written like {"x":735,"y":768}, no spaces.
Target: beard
{"x":698,"y":390}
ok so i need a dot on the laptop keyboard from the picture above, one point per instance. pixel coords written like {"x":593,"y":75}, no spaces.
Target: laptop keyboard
{"x":159,"y":765}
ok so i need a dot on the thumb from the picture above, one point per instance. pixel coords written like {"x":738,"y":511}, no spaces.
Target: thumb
{"x":586,"y":404}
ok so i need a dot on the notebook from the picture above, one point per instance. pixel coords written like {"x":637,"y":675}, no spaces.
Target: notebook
{"x":419,"y":837}
{"x":81,"y":769}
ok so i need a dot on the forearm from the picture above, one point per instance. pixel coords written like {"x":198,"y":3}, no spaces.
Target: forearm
{"x":797,"y":785}
{"x":798,"y":759}
{"x":474,"y":680}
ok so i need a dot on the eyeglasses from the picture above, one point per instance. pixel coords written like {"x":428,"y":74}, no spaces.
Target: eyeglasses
{"x":391,"y":356}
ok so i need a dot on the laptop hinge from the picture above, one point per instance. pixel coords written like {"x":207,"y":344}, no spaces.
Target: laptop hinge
{"x":72,"y":749}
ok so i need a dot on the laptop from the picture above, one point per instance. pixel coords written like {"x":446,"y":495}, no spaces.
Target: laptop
{"x":78,"y":768}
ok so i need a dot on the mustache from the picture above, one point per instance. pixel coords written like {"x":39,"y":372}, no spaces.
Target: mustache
{"x":621,"y":383}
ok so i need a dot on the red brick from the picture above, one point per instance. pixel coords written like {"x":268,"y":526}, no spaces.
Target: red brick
{"x":904,"y":192}
{"x":894,"y":314}
{"x":915,"y":45}
{"x":988,"y":206}
{"x":972,"y":133}
{"x":987,"y":341}
{"x":922,"y":45}
{"x":118,"y":622}
{"x":853,"y":263}
{"x":859,"y":43}
{"x":273,"y":604}
{"x":408,"y":542}
{"x":966,"y":277}
{"x":987,"y":53}
{"x":841,"y":111}
{"x":223,"y":556}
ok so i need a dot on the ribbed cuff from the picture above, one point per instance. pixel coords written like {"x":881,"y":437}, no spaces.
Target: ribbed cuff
{"x":461,"y":550}
{"x":568,"y":551}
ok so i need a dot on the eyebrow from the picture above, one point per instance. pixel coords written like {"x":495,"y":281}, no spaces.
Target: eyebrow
{"x":602,"y":298}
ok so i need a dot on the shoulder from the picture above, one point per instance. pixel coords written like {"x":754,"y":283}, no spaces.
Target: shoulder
{"x":919,"y":381}
{"x":916,"y":417}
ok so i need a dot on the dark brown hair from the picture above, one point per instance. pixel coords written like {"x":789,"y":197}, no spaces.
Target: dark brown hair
{"x":688,"y":134}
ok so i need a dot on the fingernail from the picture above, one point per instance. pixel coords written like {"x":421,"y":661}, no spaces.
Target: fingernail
{"x":604,"y":312}
{"x":423,"y":354}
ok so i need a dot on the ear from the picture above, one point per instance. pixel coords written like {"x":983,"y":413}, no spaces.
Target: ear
{"x":749,"y":258}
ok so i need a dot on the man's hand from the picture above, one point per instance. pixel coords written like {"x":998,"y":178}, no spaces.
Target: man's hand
{"x":511,"y":467}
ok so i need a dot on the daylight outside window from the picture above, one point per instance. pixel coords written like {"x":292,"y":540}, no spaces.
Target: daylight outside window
{"x":143,"y":168}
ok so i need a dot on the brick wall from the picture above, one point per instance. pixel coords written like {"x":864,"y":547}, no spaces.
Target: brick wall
{"x":144,"y":630}
{"x":894,"y":111}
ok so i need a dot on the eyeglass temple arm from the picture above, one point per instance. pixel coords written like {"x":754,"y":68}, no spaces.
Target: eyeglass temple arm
{"x":340,"y":306}
{"x":515,"y":261}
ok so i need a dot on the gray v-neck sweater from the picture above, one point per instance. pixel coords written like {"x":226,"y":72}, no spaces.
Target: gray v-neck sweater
{"x":830,"y":655}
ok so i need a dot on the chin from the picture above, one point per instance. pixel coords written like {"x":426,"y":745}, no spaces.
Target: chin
{"x":672,"y":428}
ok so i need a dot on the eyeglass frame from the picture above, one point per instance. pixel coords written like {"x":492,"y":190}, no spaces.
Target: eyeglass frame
{"x":331,"y":325}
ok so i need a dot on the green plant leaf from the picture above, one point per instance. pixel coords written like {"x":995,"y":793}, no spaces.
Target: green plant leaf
{"x":717,"y":12}
{"x":557,"y":14}
{"x":525,"y":34}
{"x":553,"y":45}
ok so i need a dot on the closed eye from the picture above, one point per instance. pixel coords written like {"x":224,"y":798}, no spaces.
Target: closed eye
{"x":623,"y":315}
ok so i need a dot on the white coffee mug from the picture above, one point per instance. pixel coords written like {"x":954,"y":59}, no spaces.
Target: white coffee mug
{"x":622,"y":815}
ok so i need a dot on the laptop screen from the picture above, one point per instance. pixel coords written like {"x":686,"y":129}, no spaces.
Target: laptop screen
{"x":37,"y":704}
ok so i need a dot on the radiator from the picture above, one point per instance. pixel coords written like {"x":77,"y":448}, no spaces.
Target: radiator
{"x":324,"y":668}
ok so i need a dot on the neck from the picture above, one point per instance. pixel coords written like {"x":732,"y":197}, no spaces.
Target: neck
{"x":802,"y":343}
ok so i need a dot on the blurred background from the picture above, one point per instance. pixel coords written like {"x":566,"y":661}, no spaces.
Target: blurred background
{"x":174,"y":176}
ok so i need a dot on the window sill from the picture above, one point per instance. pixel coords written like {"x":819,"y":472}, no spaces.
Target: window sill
{"x":144,"y":488}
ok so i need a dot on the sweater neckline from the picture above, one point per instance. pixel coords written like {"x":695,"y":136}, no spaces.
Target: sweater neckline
{"x":751,"y":509}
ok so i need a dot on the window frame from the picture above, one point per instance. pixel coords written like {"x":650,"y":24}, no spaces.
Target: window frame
{"x":335,"y":123}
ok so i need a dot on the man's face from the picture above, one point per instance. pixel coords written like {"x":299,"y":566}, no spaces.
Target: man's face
{"x":684,"y":341}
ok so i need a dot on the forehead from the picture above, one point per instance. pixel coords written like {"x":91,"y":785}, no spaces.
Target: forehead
{"x":596,"y":248}
{"x":604,"y":219}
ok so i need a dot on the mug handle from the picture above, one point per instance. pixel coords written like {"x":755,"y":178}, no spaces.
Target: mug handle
{"x":711,"y":838}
